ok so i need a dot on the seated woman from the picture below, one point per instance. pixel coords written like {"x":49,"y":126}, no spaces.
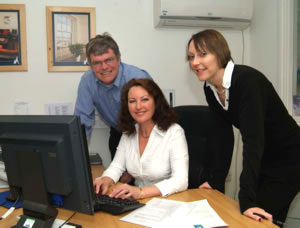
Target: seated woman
{"x":153,"y":148}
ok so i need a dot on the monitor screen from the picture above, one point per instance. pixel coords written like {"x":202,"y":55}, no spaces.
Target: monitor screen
{"x":47,"y":157}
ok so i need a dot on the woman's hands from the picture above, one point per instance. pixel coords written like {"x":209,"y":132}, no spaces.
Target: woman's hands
{"x":125,"y":191}
{"x":255,"y":213}
{"x":205,"y":185}
{"x":258,"y":214}
{"x":102,"y":184}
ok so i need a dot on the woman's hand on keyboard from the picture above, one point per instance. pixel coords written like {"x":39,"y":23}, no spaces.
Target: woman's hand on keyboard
{"x":102,"y":184}
{"x":205,"y":185}
{"x":125,"y":191}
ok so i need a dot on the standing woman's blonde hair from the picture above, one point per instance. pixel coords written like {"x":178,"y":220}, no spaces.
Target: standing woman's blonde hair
{"x":212,"y":41}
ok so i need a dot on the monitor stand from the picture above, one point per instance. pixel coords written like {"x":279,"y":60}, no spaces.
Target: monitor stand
{"x":37,"y":212}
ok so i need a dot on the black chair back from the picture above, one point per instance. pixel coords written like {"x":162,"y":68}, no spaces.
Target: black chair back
{"x":196,"y":122}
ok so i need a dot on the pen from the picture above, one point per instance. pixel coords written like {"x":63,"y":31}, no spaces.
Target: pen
{"x":260,"y":215}
{"x":277,"y":222}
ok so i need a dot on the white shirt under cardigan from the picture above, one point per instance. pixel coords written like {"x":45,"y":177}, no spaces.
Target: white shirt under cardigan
{"x":226,"y":84}
{"x":164,"y":162}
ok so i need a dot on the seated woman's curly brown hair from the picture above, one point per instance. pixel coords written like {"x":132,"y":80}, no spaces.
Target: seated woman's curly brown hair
{"x":164,"y":116}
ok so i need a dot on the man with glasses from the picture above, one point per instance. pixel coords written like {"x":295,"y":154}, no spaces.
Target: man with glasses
{"x":100,"y":87}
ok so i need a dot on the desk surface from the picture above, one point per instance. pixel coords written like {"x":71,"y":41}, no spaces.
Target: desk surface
{"x":226,"y":208}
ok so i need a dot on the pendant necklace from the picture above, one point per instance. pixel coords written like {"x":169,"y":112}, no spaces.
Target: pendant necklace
{"x":220,"y":92}
{"x":141,"y":134}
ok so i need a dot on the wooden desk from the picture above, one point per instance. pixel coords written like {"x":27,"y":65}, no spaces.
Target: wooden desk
{"x":226,"y":208}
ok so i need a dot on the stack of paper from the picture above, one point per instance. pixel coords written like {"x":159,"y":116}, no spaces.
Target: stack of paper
{"x":159,"y":213}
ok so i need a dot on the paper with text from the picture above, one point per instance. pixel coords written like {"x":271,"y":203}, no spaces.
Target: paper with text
{"x":161,"y":213}
{"x":155,"y":211}
{"x":197,"y":214}
{"x":59,"y":109}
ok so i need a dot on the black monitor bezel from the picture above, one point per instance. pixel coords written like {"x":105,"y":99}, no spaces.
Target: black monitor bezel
{"x":81,"y":198}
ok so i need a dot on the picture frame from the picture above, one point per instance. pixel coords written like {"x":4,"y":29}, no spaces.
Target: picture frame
{"x":68,"y":31}
{"x":13,"y":46}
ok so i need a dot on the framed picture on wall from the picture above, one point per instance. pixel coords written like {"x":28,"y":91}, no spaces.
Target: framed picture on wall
{"x":13,"y":50}
{"x":69,"y":29}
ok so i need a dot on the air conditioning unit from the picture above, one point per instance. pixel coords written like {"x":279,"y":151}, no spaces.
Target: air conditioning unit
{"x":234,"y":14}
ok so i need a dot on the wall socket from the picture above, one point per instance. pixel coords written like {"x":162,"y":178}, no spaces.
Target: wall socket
{"x":170,"y":96}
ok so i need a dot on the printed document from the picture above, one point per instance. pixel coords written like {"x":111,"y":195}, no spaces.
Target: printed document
{"x":155,"y":211}
{"x":161,"y":213}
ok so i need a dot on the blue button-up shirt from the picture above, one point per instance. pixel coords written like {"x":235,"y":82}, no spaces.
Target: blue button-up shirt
{"x":92,"y":93}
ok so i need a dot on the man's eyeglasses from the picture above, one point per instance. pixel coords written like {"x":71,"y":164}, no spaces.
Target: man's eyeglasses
{"x":107,"y":61}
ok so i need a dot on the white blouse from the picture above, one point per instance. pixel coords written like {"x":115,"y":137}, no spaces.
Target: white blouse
{"x":164,"y":162}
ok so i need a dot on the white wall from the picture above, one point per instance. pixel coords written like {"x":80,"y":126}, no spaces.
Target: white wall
{"x":160,"y":51}
{"x":264,"y":39}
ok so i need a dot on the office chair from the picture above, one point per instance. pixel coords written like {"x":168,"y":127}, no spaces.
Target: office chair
{"x":203,"y":141}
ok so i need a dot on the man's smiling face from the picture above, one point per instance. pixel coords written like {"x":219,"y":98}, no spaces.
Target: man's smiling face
{"x":106,"y":66}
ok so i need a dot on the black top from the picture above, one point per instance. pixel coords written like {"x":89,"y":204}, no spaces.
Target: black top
{"x":271,"y":137}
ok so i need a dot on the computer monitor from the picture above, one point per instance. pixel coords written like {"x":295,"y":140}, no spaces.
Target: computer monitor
{"x":47,"y":156}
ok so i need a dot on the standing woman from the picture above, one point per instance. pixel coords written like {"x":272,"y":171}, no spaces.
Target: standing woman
{"x":241,"y":96}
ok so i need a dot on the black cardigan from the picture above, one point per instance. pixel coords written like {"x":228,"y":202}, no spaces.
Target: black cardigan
{"x":271,"y":137}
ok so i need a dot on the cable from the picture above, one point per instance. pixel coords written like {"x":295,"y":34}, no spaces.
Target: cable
{"x":236,"y":182}
{"x":11,"y":209}
{"x":243,"y":47}
{"x":67,"y":220}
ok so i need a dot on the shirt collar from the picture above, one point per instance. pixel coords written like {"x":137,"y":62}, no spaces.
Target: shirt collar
{"x":155,"y":129}
{"x":117,"y":81}
{"x":226,"y":84}
{"x":227,"y":76}
{"x":158,"y":131}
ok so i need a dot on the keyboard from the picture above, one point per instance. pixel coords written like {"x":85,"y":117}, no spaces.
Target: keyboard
{"x":115,"y":206}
